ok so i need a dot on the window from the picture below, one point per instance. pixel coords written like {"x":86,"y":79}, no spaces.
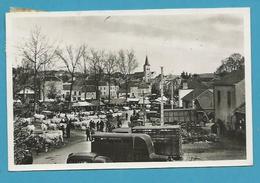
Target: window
{"x":218,"y":97}
{"x":75,"y":92}
{"x":229,"y":98}
{"x":79,"y":92}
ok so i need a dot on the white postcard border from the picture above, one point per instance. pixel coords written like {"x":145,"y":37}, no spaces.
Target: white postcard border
{"x":134,"y":165}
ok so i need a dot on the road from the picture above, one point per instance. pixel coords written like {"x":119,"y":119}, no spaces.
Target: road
{"x":75,"y":144}
{"x":59,"y":156}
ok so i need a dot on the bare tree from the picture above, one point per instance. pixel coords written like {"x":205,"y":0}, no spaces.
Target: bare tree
{"x":110,"y":66}
{"x":96,"y":67}
{"x":37,"y":51}
{"x":84,"y":67}
{"x":71,"y":58}
{"x":127,"y":64}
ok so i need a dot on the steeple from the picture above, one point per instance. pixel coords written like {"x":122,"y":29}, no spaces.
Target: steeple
{"x":146,"y":61}
{"x":147,"y":72}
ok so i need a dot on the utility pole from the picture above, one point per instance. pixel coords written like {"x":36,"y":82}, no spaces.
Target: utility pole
{"x":161,"y":88}
{"x":172,"y":94}
{"x":144,"y":110}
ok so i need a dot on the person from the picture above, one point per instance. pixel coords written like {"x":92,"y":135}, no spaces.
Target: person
{"x":88,"y":133}
{"x":66,"y":118}
{"x":132,"y":118}
{"x":92,"y":124}
{"x":119,"y":124}
{"x":92,"y":132}
{"x":98,"y":126}
{"x":117,"y":118}
{"x":101,"y":126}
{"x":62,"y":129}
{"x":68,"y":129}
{"x":108,"y":126}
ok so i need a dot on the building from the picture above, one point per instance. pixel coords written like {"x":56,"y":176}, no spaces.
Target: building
{"x":51,"y":88}
{"x":229,"y":96}
{"x":144,"y":76}
{"x":89,"y":92}
{"x":104,"y":90}
{"x":147,"y":70}
{"x":188,"y":86}
{"x":139,"y":89}
{"x":79,"y":92}
{"x":27,"y":93}
{"x":199,"y":99}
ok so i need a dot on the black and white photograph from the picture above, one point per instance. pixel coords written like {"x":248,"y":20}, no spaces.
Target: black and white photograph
{"x":129,"y":89}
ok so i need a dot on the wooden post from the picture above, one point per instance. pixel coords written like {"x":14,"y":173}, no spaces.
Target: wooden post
{"x":161,"y":88}
{"x":172,"y":95}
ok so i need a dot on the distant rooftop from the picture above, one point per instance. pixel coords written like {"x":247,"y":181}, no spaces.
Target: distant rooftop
{"x":193,"y":94}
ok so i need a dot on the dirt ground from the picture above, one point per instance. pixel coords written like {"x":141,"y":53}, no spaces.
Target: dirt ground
{"x":226,"y":149}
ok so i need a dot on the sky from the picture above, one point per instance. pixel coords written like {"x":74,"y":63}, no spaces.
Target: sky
{"x":194,"y":42}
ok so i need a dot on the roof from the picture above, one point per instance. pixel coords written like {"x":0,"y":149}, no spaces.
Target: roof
{"x":137,"y":74}
{"x":82,"y":104}
{"x":241,"y":109}
{"x":89,"y":88}
{"x":146,"y":61}
{"x":26,"y":90}
{"x":66,"y":86}
{"x":232,"y":78}
{"x":206,"y":75}
{"x":103,"y":83}
{"x":123,"y":90}
{"x":75,"y":87}
{"x":156,"y":127}
{"x":52,"y":78}
{"x":143,"y":86}
{"x":122,"y":130}
{"x":194,"y":83}
{"x":193,"y":94}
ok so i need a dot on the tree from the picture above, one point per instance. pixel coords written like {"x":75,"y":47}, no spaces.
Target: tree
{"x":20,"y":141}
{"x":185,"y":75}
{"x":52,"y":92}
{"x":85,"y":71}
{"x":22,"y":76}
{"x":232,"y":63}
{"x":36,"y":52}
{"x":96,"y":67}
{"x":71,"y":57}
{"x":127,"y":64}
{"x":110,"y":66}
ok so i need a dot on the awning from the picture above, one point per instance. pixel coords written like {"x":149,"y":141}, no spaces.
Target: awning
{"x":159,"y":99}
{"x":144,"y":101}
{"x":132,"y":99}
{"x":118,"y":101}
{"x":97,"y":103}
{"x":82,"y":104}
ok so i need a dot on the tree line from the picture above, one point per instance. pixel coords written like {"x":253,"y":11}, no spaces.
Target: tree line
{"x":38,"y":53}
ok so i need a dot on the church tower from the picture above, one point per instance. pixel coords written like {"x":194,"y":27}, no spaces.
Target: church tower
{"x":147,"y":71}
